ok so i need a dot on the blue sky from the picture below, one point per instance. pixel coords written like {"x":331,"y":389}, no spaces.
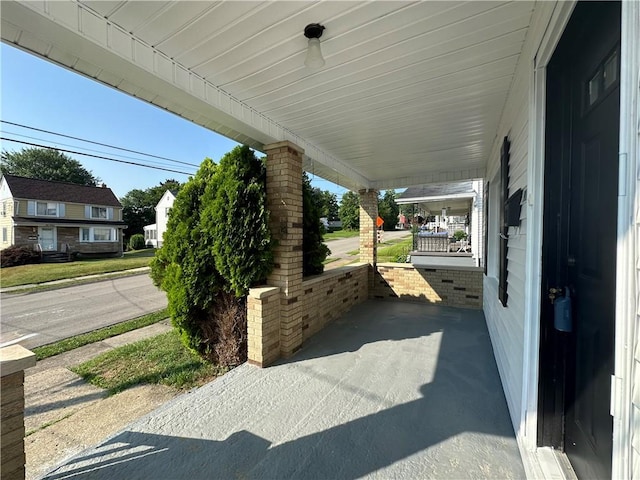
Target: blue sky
{"x":37,"y":93}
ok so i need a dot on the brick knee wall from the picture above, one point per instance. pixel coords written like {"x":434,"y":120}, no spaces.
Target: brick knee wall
{"x":322,"y":299}
{"x":330,"y":295}
{"x":455,"y":287}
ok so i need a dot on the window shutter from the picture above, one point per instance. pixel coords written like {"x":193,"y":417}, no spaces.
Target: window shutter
{"x":504,"y":229}
{"x":109,"y":213}
{"x":31,"y":207}
{"x":486,"y":227}
{"x":61,"y":210}
{"x":87,"y":211}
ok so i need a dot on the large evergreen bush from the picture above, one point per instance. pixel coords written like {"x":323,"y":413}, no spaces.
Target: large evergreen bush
{"x":217,"y":246}
{"x":314,"y":250}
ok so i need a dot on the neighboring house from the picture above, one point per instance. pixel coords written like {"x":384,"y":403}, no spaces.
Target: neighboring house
{"x":457,"y":199}
{"x":59,"y":217}
{"x":153,"y":233}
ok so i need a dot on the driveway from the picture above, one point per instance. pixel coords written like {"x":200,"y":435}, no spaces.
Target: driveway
{"x":391,"y":390}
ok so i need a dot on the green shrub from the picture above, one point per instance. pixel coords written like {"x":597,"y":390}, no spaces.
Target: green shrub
{"x":216,"y":247}
{"x":459,"y":235}
{"x":14,"y":256}
{"x":137,"y":242}
{"x":314,"y":251}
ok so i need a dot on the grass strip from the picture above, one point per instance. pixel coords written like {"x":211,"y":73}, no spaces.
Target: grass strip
{"x":91,"y":337}
{"x":330,"y":260}
{"x":47,"y":272}
{"x":340,"y":234}
{"x":47,"y":425}
{"x":162,"y":359}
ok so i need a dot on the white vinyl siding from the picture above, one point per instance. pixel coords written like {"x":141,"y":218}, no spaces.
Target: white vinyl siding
{"x":507,"y":325}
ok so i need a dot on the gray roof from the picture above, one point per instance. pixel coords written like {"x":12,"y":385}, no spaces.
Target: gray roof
{"x":437,"y":190}
{"x":48,"y":190}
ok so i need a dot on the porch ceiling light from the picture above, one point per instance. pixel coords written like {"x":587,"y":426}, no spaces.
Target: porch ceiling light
{"x":313,"y":32}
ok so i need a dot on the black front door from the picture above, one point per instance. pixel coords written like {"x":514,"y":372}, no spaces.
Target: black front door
{"x":579,"y":239}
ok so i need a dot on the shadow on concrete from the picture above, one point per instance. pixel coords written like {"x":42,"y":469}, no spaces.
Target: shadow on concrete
{"x":463,"y":406}
{"x":62,"y":404}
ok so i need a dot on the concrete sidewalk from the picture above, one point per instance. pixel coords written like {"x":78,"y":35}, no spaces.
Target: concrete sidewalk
{"x":391,"y":390}
{"x":65,"y":415}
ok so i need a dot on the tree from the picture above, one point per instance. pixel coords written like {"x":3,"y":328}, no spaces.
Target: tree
{"x":388,"y":209}
{"x":314,"y":250}
{"x":139,"y":206}
{"x":327,"y":202}
{"x":218,"y":244}
{"x":350,"y":211}
{"x":46,"y":164}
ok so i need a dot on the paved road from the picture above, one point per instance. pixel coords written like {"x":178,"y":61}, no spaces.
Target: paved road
{"x":56,"y":314}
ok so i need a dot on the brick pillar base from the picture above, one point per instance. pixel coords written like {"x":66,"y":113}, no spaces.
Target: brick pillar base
{"x":284,"y":200}
{"x":13,"y":360}
{"x":368,"y":235}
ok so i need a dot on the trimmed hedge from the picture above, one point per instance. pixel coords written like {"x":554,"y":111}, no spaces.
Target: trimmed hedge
{"x":14,"y":256}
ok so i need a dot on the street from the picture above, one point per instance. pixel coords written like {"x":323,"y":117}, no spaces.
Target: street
{"x":49,"y":316}
{"x":41,"y":318}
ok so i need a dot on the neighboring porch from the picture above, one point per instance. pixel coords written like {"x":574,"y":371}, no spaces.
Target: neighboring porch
{"x":389,"y":390}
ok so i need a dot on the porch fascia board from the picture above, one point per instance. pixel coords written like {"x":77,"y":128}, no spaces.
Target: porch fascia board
{"x":404,"y":201}
{"x":436,"y":177}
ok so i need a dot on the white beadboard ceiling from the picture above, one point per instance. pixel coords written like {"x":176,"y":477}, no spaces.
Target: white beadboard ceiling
{"x":412,"y":92}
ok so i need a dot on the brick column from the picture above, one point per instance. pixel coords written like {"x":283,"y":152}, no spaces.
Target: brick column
{"x":284,"y":200}
{"x":13,"y":362}
{"x":368,"y":235}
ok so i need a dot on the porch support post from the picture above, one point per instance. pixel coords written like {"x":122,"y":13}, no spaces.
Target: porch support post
{"x":368,"y":234}
{"x":284,"y":201}
{"x":13,"y":362}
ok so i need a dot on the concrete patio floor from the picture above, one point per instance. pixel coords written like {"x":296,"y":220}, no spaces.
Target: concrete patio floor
{"x":391,"y":390}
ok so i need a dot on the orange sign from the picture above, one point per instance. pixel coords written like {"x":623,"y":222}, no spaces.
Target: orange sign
{"x":379,"y":222}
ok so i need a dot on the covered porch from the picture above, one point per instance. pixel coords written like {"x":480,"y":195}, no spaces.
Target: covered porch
{"x":388,"y":390}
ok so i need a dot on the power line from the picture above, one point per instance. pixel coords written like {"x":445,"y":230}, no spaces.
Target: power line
{"x":97,"y":143}
{"x":94,"y":156}
{"x":74,"y":146}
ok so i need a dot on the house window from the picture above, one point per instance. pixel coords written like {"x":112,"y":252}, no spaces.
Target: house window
{"x":102,"y":234}
{"x":99,"y":212}
{"x":4,"y":235}
{"x":46,"y":209}
{"x":98,"y":234}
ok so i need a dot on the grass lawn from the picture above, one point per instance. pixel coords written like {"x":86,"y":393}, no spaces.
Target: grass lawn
{"x":97,"y":335}
{"x":390,"y":253}
{"x":340,"y":234}
{"x":158,"y":360}
{"x":46,"y":272}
